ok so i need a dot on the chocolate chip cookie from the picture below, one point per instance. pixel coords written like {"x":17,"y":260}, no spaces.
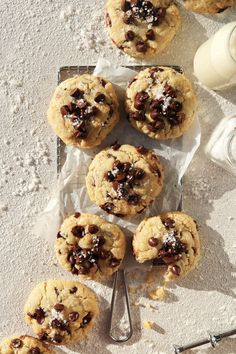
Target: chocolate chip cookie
{"x":142,"y":28}
{"x":61,"y":311}
{"x":83,"y":110}
{"x":88,"y":245}
{"x":160,"y":102}
{"x":208,"y":6}
{"x":169,"y":239}
{"x":124,"y":180}
{"x":24,"y":345}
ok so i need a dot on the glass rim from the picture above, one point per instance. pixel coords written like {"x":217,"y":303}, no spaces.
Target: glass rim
{"x":230,"y":35}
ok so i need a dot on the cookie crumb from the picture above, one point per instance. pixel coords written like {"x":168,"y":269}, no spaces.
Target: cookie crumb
{"x":147,"y":324}
{"x":158,"y":294}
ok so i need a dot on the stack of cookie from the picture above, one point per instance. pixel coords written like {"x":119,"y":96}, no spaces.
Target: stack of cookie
{"x":123,"y":180}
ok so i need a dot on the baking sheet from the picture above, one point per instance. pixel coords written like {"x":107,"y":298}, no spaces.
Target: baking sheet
{"x":70,"y":193}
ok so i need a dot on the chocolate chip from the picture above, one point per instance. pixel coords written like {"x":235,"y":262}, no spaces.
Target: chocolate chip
{"x":128,"y":19}
{"x":141,"y":46}
{"x":83,"y":271}
{"x":108,"y":207}
{"x":78,"y":231}
{"x":169,"y":91}
{"x":57,"y":324}
{"x":82,"y":103}
{"x":126,"y":166}
{"x":156,"y":126}
{"x":94,"y":268}
{"x":125,"y":5}
{"x":100,"y":97}
{"x":153,"y":241}
{"x":115,"y":146}
{"x":176,"y":106}
{"x":222,"y":10}
{"x":16,"y":343}
{"x":129,"y":36}
{"x":137,"y":116}
{"x":150,"y":35}
{"x":77,"y":93}
{"x":169,"y":259}
{"x":86,"y":320}
{"x":139,"y":173}
{"x":59,"y":235}
{"x":120,"y":177}
{"x":176,"y":118}
{"x":158,"y":261}
{"x":169,"y":223}
{"x":74,"y":271}
{"x":73,"y":290}
{"x":57,"y":338}
{"x":104,"y":254}
{"x":73,"y":316}
{"x":93,"y":229}
{"x":142,"y":150}
{"x":133,"y":199}
{"x":117,"y":164}
{"x":64,"y":110}
{"x":77,"y":215}
{"x":175,"y":269}
{"x":79,"y":259}
{"x":39,"y":315}
{"x":114,"y":262}
{"x":155,"y":115}
{"x":109,"y":176}
{"x":140,"y":100}
{"x":34,"y":350}
{"x":81,"y":134}
{"x":99,"y":240}
{"x":43,"y":336}
{"x":59,"y":307}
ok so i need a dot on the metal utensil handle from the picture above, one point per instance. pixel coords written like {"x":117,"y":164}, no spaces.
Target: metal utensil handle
{"x":120,"y":289}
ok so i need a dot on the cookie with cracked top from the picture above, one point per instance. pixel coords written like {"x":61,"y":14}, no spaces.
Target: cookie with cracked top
{"x":161,"y":103}
{"x":61,"y":312}
{"x":83,"y":110}
{"x":142,"y":28}
{"x":89,"y":246}
{"x":24,"y":344}
{"x":170,"y":239}
{"x":125,"y":180}
{"x":208,"y":6}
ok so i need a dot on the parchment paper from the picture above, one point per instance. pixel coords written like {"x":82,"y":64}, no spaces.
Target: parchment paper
{"x":70,"y":193}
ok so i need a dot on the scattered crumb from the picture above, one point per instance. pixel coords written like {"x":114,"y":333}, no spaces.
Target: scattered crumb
{"x":158,"y":294}
{"x":147,"y":324}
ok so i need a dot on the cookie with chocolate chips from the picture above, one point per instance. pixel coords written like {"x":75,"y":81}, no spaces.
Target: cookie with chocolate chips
{"x":124,"y":180}
{"x":89,"y":246}
{"x":160,"y":102}
{"x":83,"y":110}
{"x":208,"y":6}
{"x":142,"y":28}
{"x":24,"y":345}
{"x":169,"y":239}
{"x":61,"y":312}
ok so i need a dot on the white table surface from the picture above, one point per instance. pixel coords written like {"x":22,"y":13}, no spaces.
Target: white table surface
{"x":37,"y":37}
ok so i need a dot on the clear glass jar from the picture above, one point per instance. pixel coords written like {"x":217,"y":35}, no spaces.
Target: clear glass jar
{"x":221,"y":147}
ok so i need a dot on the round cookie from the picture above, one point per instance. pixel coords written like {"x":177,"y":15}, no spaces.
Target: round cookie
{"x":170,"y":238}
{"x":23,"y":345}
{"x":90,"y":246}
{"x":124,"y":180}
{"x":160,"y":102}
{"x":142,"y":28}
{"x":83,"y":110}
{"x":61,"y":311}
{"x":208,"y":6}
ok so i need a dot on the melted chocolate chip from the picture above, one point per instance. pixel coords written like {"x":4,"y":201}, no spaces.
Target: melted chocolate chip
{"x":73,"y":290}
{"x":16,"y":343}
{"x":114,"y":262}
{"x":43,"y":336}
{"x":77,"y":94}
{"x":73,"y":316}
{"x":137,"y":116}
{"x":59,"y":235}
{"x":65,"y":110}
{"x":139,"y":173}
{"x":141,"y":46}
{"x":59,"y":307}
{"x":78,"y":231}
{"x":142,"y":150}
{"x":128,"y":19}
{"x":153,"y":241}
{"x":129,"y":36}
{"x":77,"y":215}
{"x":125,"y":5}
{"x":108,"y":207}
{"x":115,"y":146}
{"x":57,"y":338}
{"x":34,"y":350}
{"x":169,"y":223}
{"x":39,"y":315}
{"x":150,"y":35}
{"x":133,"y":199}
{"x":93,"y":229}
{"x":86,"y":320}
{"x":100,"y":97}
{"x":156,"y":115}
{"x":175,"y":270}
{"x":156,"y":126}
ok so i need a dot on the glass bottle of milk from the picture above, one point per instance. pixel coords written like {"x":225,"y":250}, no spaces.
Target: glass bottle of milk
{"x":221,"y":147}
{"x":215,"y":60}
